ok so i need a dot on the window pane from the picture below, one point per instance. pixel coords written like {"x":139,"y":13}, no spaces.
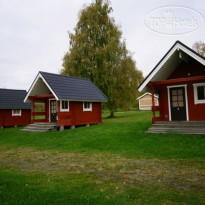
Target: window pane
{"x":66,"y":105}
{"x":175,"y":104}
{"x":87,"y":105}
{"x":180,"y":91}
{"x":180,"y":98}
{"x":174,"y":98}
{"x":174,"y":92}
{"x":200,"y":92}
{"x":16,"y":111}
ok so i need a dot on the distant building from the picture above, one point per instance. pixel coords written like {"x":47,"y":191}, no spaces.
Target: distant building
{"x":145,"y":101}
{"x":13,"y":111}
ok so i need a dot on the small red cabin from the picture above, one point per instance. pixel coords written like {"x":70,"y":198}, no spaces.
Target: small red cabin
{"x":13,"y":111}
{"x":68,"y":101}
{"x":179,"y":79}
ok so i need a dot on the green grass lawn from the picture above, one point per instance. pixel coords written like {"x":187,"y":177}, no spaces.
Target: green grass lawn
{"x":115,"y":162}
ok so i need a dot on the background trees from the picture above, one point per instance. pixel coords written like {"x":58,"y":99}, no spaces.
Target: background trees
{"x":98,"y":52}
{"x":199,"y":47}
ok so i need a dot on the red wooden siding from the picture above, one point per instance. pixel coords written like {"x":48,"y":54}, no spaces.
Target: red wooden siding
{"x":76,"y":115}
{"x":1,"y":117}
{"x":194,"y":68}
{"x":196,"y":111}
{"x":7,"y":120}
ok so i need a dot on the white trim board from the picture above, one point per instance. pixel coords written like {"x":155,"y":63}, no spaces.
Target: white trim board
{"x":169,"y":106}
{"x":147,"y":93}
{"x":64,"y":110}
{"x":87,"y":109}
{"x":18,"y":114}
{"x":196,"y":101}
{"x":33,"y":84}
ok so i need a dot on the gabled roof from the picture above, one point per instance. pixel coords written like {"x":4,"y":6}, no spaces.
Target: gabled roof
{"x":71,"y":88}
{"x":169,"y":62}
{"x":13,"y":99}
{"x":147,"y":93}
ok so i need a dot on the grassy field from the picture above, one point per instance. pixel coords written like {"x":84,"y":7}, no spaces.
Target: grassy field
{"x":115,"y":162}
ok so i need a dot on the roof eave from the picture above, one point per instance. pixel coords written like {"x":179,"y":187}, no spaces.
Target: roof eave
{"x":177,"y":45}
{"x":83,"y":100}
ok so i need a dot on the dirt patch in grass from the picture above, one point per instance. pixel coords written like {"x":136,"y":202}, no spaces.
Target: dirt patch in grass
{"x":107,"y":168}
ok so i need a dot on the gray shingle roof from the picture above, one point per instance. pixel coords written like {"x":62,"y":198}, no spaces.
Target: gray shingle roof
{"x":73,"y":88}
{"x":13,"y":99}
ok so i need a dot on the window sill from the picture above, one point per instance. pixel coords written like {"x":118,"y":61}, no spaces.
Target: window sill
{"x":199,"y":102}
{"x":64,"y":110}
{"x":86,"y":110}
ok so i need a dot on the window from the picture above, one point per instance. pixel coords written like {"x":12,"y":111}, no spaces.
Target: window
{"x":64,"y":106}
{"x":199,"y":93}
{"x":87,"y":106}
{"x":16,"y":112}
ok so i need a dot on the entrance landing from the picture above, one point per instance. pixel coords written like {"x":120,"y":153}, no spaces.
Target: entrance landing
{"x":181,"y":127}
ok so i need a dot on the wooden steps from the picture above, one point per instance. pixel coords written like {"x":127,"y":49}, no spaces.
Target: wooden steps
{"x":40,"y":127}
{"x":183,"y":127}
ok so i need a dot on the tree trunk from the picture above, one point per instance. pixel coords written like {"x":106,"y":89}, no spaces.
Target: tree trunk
{"x":112,"y":113}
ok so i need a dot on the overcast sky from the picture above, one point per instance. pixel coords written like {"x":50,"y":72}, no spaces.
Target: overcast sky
{"x":34,"y":33}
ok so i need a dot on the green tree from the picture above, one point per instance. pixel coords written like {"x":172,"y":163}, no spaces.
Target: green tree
{"x":97,"y":52}
{"x":199,"y":47}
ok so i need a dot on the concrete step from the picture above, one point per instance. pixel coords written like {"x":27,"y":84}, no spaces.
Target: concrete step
{"x":179,"y":125}
{"x":185,"y":123}
{"x":190,"y":130}
{"x":40,"y":127}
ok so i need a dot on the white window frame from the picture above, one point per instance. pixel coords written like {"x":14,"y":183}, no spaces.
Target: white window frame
{"x":16,"y":114}
{"x":64,"y":110}
{"x":87,"y":109}
{"x":196,"y":101}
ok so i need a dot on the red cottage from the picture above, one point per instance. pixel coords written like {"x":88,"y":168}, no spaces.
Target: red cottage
{"x":69,"y":101}
{"x":13,"y":111}
{"x":179,"y":79}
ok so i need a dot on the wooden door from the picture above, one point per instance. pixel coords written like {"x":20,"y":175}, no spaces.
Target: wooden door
{"x":178,"y":103}
{"x":53,"y":111}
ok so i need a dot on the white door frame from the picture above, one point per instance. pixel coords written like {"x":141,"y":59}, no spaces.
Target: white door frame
{"x":50,"y":109}
{"x":185,"y":90}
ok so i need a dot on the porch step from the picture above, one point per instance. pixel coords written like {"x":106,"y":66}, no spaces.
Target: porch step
{"x":183,"y":127}
{"x":40,"y":127}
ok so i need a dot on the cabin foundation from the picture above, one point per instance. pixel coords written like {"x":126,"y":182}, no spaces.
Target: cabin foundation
{"x":61,"y":128}
{"x":72,"y":127}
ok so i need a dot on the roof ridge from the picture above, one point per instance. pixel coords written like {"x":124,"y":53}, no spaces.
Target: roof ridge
{"x":192,"y":50}
{"x":68,"y":76}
